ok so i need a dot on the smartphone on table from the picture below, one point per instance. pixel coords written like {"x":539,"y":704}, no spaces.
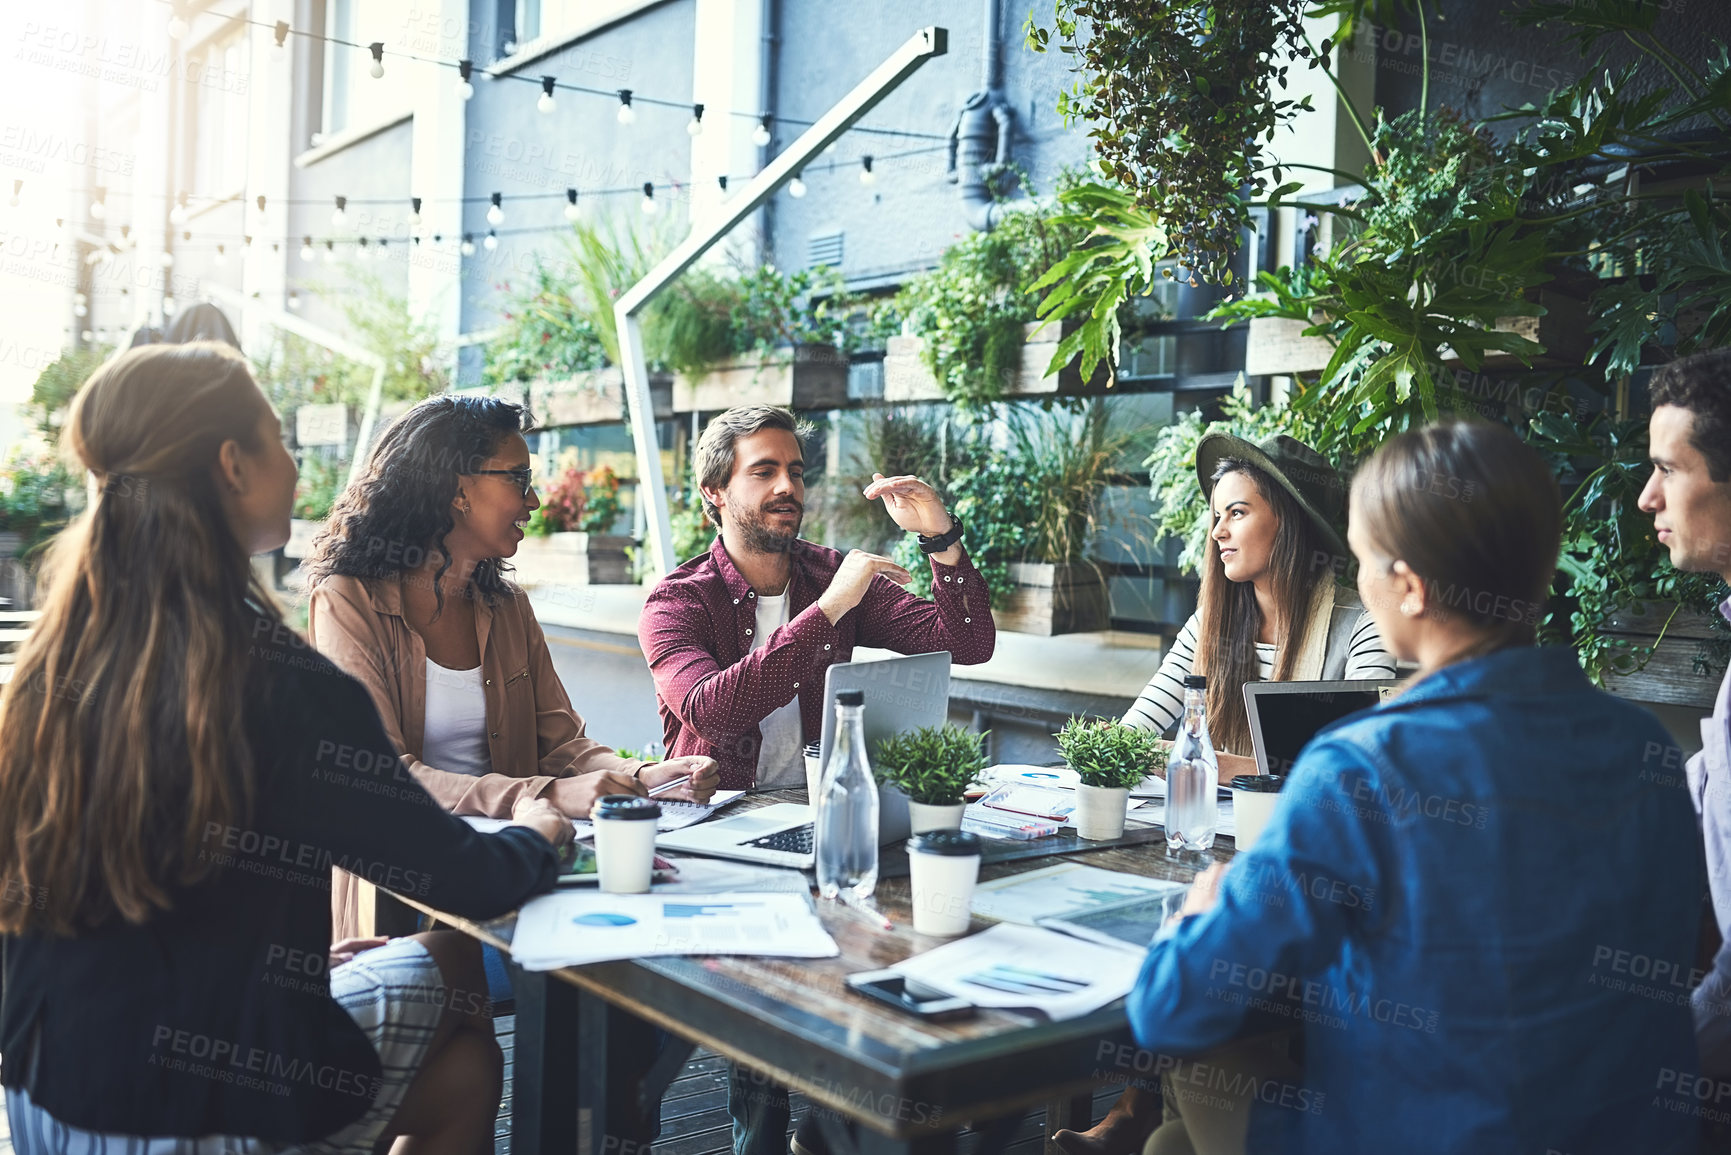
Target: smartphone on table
{"x":887,"y":986}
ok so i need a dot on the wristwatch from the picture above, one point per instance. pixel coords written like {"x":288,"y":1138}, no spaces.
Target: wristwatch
{"x":944,"y":540}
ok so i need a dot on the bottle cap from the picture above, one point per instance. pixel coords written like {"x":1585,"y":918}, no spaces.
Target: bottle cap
{"x":1259,"y":783}
{"x":949,"y":843}
{"x":1195,"y":681}
{"x":626,"y":806}
{"x":850,"y":697}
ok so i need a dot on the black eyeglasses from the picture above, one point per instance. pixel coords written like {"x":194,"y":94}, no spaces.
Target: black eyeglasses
{"x":521,"y":475}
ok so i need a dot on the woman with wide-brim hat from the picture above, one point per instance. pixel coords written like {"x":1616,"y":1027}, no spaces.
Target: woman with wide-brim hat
{"x":1270,"y":610}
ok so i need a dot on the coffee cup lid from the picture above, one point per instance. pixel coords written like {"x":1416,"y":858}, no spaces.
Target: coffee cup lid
{"x":951,"y":843}
{"x":1259,"y":783}
{"x":627,"y":806}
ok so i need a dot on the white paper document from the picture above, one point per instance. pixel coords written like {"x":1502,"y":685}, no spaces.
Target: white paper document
{"x":1026,"y":967}
{"x":571,"y":928}
{"x":1068,"y":888}
{"x":674,"y":815}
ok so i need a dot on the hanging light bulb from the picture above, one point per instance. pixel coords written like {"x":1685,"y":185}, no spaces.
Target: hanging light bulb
{"x":721,"y":181}
{"x":414,"y":212}
{"x":648,"y":206}
{"x":866,"y":175}
{"x":384,"y":248}
{"x":362,"y":253}
{"x":177,"y":27}
{"x":377,"y":48}
{"x":496,"y":211}
{"x":694,"y":126}
{"x":221,"y":257}
{"x":259,"y":200}
{"x":760,"y":135}
{"x":177,"y":214}
{"x":626,"y":114}
{"x":167,"y":306}
{"x":81,"y":310}
{"x":307,"y":253}
{"x":87,"y":336}
{"x":491,"y":241}
{"x":796,"y":187}
{"x":17,"y":193}
{"x":279,"y":50}
{"x":339,"y":217}
{"x":546,"y":104}
{"x":571,"y":210}
{"x":465,"y":69}
{"x":165,"y":259}
{"x":99,"y":206}
{"x":330,"y":252}
{"x":294,"y":299}
{"x":467,"y":248}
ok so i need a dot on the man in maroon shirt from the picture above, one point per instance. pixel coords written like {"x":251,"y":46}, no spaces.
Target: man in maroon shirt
{"x":738,"y":639}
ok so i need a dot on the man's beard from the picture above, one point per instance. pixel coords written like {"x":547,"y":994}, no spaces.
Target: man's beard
{"x":760,"y":536}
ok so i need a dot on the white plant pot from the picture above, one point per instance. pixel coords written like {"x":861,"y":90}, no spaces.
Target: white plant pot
{"x":924,"y":816}
{"x":1100,"y":812}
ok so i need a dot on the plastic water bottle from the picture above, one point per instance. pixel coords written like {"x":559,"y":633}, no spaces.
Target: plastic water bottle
{"x":1191,"y":775}
{"x":846,"y":827}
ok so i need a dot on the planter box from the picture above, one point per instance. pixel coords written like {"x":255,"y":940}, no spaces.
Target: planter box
{"x":802,"y":377}
{"x":1562,"y":331}
{"x":1055,"y":599}
{"x":1671,"y":675}
{"x":573,"y":559}
{"x":301,"y":535}
{"x":906,"y":378}
{"x":595,"y":398}
{"x":1277,"y":347}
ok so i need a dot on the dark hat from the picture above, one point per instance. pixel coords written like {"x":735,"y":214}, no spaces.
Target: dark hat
{"x":1300,"y":470}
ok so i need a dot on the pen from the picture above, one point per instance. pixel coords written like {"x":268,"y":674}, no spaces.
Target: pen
{"x":867,"y":911}
{"x":670,"y":784}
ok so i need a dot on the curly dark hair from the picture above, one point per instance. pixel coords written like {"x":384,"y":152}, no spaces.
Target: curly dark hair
{"x":1701,"y":384}
{"x":399,"y":509}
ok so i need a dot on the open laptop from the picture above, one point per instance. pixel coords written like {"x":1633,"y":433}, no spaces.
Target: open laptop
{"x":900,"y":694}
{"x":1285,"y":716}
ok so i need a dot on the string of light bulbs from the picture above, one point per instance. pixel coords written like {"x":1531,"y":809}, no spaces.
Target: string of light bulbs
{"x":547,"y":103}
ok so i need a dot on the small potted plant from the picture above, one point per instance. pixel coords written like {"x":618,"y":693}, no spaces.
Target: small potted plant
{"x":1110,"y":757}
{"x":932,"y":766}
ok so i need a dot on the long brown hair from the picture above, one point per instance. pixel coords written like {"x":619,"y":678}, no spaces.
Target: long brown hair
{"x":1473,"y":511}
{"x":1230,"y":619}
{"x":121,"y":731}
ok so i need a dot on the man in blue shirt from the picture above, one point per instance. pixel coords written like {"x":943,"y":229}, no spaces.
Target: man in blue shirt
{"x":1689,"y":496}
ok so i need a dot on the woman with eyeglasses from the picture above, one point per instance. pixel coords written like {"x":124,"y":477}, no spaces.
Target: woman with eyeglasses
{"x":409,"y":596}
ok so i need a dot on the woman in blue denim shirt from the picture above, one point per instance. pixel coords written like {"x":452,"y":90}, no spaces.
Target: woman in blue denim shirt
{"x":1478,"y":902}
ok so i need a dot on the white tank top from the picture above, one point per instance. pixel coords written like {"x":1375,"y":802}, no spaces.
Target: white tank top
{"x":454,"y":734}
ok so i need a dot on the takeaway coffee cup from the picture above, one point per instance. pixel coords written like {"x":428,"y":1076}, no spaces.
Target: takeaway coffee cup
{"x":943,"y":865}
{"x":1253,"y":799}
{"x":625,"y":842}
{"x":813,"y":775}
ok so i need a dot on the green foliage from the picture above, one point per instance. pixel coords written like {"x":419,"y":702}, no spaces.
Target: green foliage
{"x":1108,"y":753}
{"x":1113,"y":262}
{"x":1178,"y":96}
{"x":38,"y":494}
{"x":548,"y":332}
{"x":601,"y":500}
{"x":1035,"y":499}
{"x":574,"y":501}
{"x":932,"y":765}
{"x":60,"y":381}
{"x":321,"y":480}
{"x":972,"y":308}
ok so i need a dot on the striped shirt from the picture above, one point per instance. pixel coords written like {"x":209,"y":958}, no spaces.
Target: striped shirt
{"x":1161,"y":702}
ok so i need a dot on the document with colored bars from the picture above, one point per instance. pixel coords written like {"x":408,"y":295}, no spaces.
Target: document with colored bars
{"x":573,"y":928}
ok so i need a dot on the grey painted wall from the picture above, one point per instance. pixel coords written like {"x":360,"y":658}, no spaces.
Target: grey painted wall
{"x":906,"y":220}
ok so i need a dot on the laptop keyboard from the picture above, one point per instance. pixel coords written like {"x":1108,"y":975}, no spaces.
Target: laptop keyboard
{"x":793,"y":840}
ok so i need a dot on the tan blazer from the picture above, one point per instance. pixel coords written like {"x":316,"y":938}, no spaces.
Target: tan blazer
{"x":534,"y":736}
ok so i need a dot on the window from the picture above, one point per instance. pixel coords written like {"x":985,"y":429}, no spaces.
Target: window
{"x":219,"y":116}
{"x":528,"y":23}
{"x":352,"y":96}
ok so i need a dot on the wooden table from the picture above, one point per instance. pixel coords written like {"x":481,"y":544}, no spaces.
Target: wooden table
{"x":900,"y":1084}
